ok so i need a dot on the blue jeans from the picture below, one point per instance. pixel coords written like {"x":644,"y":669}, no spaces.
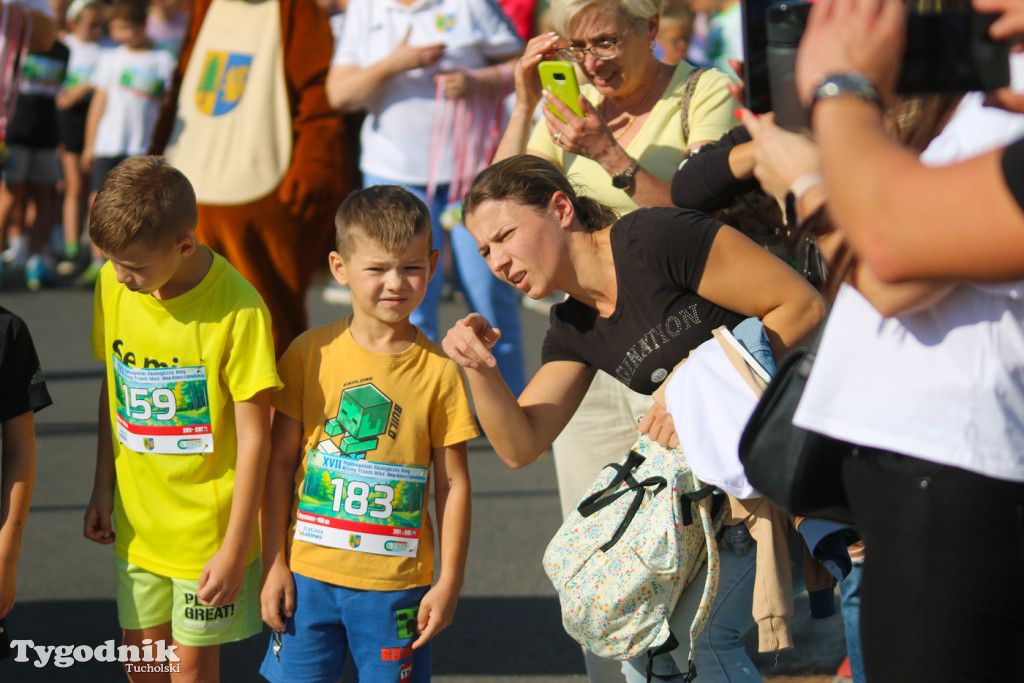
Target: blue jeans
{"x":849,"y":592}
{"x":486,"y":294}
{"x":720,"y":656}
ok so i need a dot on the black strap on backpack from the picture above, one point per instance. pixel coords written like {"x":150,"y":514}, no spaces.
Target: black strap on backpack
{"x":624,"y":475}
{"x":688,"y":499}
{"x":670,"y":644}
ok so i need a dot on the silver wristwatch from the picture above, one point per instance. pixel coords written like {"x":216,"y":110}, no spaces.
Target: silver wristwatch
{"x":849,"y":84}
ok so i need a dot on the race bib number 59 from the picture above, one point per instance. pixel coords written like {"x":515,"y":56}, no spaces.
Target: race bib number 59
{"x":162,"y":410}
{"x":361,"y":505}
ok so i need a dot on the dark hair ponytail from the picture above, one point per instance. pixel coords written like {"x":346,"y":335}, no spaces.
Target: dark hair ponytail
{"x":532,"y":181}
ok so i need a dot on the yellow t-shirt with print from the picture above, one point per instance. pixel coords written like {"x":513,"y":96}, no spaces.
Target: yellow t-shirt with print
{"x":175,"y":367}
{"x":659,"y":145}
{"x":360,"y":517}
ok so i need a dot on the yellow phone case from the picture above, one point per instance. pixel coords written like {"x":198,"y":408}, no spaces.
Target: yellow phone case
{"x":560,"y":79}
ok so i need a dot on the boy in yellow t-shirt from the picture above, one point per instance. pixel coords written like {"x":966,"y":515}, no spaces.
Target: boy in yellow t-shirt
{"x":369,"y":405}
{"x":184,"y":423}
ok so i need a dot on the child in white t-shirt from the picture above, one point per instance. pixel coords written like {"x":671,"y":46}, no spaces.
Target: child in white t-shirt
{"x":86,"y":40}
{"x":128,"y":86}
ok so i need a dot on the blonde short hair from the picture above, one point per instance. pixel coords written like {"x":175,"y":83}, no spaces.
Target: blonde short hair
{"x":387,"y":215}
{"x":565,"y":12}
{"x":144,"y":200}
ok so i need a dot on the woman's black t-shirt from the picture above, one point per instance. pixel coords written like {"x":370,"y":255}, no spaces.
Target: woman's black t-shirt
{"x":659,"y":256}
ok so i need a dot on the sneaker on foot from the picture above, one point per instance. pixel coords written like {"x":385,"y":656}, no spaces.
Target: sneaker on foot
{"x":38,"y":272}
{"x":89,"y":276}
{"x":16,"y":255}
{"x":66,"y":267}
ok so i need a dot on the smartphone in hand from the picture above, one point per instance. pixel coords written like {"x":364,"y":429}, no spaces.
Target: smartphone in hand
{"x":560,"y":79}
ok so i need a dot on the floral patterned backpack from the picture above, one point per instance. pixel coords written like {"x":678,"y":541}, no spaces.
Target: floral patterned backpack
{"x":623,"y":557}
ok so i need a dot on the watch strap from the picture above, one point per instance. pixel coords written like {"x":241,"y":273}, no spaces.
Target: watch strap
{"x":798,"y":189}
{"x":848,"y":84}
{"x":623,"y":180}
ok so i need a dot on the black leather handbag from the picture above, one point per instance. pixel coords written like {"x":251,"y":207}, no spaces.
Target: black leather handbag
{"x":796,"y":469}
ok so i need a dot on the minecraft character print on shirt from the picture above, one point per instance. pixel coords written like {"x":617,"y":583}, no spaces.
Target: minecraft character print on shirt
{"x":351,"y":502}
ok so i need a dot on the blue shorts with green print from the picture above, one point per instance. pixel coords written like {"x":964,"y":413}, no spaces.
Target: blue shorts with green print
{"x":377,"y":628}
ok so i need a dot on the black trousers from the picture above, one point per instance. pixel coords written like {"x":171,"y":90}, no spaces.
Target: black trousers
{"x":943,"y":584}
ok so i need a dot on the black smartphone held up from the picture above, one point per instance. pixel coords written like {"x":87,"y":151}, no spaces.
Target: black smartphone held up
{"x":947,"y":50}
{"x":784,"y":26}
{"x":757,"y":90}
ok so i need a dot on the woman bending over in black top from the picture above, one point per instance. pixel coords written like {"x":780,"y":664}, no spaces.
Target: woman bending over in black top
{"x":644,"y":291}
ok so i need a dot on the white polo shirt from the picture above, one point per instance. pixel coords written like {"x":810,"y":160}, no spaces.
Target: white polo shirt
{"x":396,"y":133}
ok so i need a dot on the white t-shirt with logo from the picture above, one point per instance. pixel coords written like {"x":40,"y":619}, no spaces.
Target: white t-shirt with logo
{"x":83,"y":58}
{"x":396,"y":133}
{"x":134,"y":83}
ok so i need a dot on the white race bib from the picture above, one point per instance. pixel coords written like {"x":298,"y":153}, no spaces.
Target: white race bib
{"x":163,"y":410}
{"x":361,"y":505}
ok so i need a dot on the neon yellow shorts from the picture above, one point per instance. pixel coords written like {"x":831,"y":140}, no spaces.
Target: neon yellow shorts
{"x":145,"y":600}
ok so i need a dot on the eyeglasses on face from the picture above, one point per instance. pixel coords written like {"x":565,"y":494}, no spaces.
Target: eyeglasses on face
{"x":606,"y":49}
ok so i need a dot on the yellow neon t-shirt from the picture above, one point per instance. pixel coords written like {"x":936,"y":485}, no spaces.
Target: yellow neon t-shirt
{"x":175,"y":368}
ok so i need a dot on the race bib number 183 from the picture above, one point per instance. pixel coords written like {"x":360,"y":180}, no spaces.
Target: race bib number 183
{"x":162,"y":410}
{"x":361,"y":505}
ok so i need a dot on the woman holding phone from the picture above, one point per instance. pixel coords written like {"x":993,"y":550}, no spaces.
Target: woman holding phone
{"x":630,"y":139}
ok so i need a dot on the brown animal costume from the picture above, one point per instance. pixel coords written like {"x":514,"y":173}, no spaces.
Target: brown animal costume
{"x":247,"y":121}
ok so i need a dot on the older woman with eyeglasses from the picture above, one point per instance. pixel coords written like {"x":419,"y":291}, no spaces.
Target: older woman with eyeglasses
{"x":631,"y":139}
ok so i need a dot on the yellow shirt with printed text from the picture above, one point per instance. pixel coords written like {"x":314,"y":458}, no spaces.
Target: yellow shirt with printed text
{"x":171,"y":510}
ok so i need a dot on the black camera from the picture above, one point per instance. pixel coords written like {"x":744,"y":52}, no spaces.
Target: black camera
{"x":947,"y":50}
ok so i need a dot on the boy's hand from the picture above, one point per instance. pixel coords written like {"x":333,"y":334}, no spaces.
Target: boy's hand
{"x":277,"y":597}
{"x":86,"y":160}
{"x":8,"y":583}
{"x":71,"y":96}
{"x":437,"y":608}
{"x":221,"y":580}
{"x":97,"y":517}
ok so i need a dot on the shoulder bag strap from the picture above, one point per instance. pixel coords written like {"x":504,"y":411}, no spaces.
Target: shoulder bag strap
{"x":684,"y":103}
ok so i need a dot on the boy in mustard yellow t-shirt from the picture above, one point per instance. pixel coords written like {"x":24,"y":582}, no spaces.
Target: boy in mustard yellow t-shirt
{"x":184,"y":423}
{"x":369,"y":405}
